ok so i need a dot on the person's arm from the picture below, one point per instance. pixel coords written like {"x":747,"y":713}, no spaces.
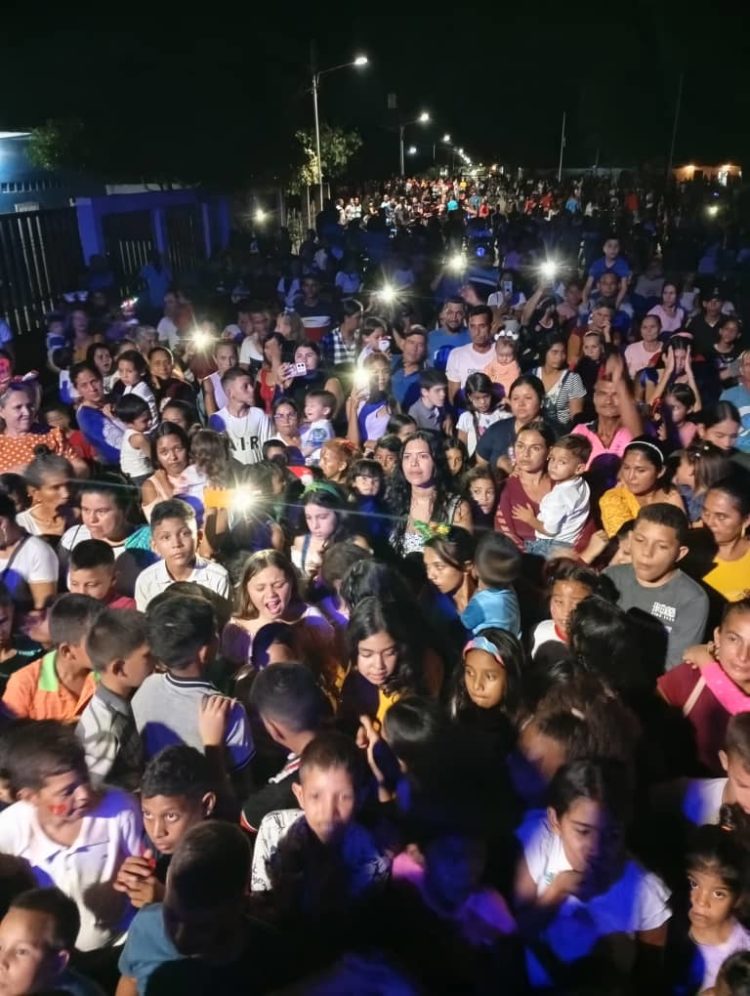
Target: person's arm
{"x":454,"y":387}
{"x":352,"y":421}
{"x":575,"y":406}
{"x":209,"y":397}
{"x":148,"y":493}
{"x":531,"y":305}
{"x":691,"y":381}
{"x":525,"y":513}
{"x":629,"y":413}
{"x":624,"y":284}
{"x":127,"y":986}
{"x":213,"y":719}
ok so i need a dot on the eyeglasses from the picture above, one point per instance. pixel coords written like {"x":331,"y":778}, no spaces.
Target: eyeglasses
{"x":285,"y":418}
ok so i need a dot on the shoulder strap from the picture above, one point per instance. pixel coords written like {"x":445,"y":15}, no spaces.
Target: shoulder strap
{"x":13,"y":557}
{"x":694,"y":696}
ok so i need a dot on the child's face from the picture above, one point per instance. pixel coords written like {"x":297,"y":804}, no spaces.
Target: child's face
{"x":485,"y":679}
{"x":611,"y":248}
{"x":6,"y":624}
{"x":434,"y":397}
{"x":504,"y":353}
{"x":377,"y":658}
{"x":590,"y":839}
{"x":729,"y":333}
{"x":732,"y":640}
{"x":623,"y":554}
{"x":655,"y":550}
{"x":97,"y":582}
{"x":678,"y":410}
{"x":62,"y":799}
{"x":171,"y":454}
{"x":270,"y":591}
{"x":315,"y":410}
{"x":685,"y":473}
{"x":321,"y":522}
{"x":175,"y":540}
{"x":387,"y":460}
{"x":483,"y":494}
{"x":103,"y":360}
{"x":481,"y":401}
{"x":711,"y":901}
{"x":142,"y":422}
{"x":455,"y":461}
{"x":28,"y":961}
{"x":57,"y":419}
{"x":446,"y":577}
{"x":366,"y":485}
{"x":128,"y":373}
{"x":167,"y":818}
{"x":592,"y":347}
{"x":738,"y":779}
{"x":137,"y":666}
{"x":328,"y":800}
{"x":563,"y":465}
{"x":566,"y":595}
{"x":226,"y":358}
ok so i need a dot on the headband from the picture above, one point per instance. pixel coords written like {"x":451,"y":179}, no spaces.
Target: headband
{"x":324,"y":487}
{"x":482,"y":643}
{"x":645,"y":442}
{"x":431,"y":530}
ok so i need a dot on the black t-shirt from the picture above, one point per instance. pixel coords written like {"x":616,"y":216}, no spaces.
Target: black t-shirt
{"x":497,"y":440}
{"x":704,"y":335}
{"x":276,"y":794}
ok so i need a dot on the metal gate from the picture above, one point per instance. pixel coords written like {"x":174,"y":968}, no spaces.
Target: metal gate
{"x":184,"y":239}
{"x":40,"y":259}
{"x":129,"y":239}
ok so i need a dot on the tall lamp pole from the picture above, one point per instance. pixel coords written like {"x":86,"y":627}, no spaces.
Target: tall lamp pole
{"x":423,"y":118}
{"x":562,"y":148}
{"x":360,"y":60}
{"x":674,"y":127}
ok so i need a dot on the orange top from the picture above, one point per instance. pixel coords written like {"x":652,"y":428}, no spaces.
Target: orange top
{"x":35,"y":692}
{"x":18,"y":451}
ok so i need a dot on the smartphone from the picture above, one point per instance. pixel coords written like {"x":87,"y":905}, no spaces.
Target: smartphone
{"x":507,"y":287}
{"x":384,"y":345}
{"x":300,"y":370}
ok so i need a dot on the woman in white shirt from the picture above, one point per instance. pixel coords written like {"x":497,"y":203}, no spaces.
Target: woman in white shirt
{"x":578,"y":893}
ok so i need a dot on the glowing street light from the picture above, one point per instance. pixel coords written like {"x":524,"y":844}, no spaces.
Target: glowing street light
{"x":361,"y":60}
{"x":423,"y":118}
{"x":412,"y":150}
{"x":358,"y":61}
{"x":446,"y":137}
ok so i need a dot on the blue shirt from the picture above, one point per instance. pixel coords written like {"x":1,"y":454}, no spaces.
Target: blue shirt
{"x":147,"y":946}
{"x":404,"y":387}
{"x":740,"y":398}
{"x":439,"y":338}
{"x":599,"y":267}
{"x":493,"y":607}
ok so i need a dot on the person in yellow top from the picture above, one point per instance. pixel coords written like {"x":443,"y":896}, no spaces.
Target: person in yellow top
{"x":387,"y":661}
{"x":726,"y":514}
{"x":641,"y":483}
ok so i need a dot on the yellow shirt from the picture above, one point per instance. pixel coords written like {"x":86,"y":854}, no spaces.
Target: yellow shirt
{"x":617,"y":506}
{"x":731,"y":578}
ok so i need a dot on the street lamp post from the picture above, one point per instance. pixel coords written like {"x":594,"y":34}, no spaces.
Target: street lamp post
{"x":423,"y":118}
{"x":360,"y":60}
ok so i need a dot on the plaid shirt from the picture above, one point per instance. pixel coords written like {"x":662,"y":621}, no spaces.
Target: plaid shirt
{"x":111,"y":741}
{"x":335,"y":350}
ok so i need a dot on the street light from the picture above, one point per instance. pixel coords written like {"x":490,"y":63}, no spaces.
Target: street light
{"x":358,"y":61}
{"x":412,"y":150}
{"x":423,"y":118}
{"x":446,"y":137}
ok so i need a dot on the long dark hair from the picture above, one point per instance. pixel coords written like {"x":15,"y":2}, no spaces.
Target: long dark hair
{"x":510,"y":651}
{"x":373,"y":615}
{"x":398,"y":495}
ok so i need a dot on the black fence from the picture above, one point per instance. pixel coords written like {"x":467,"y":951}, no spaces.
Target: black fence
{"x":185,"y":240}
{"x":128,"y":238}
{"x":40,"y":259}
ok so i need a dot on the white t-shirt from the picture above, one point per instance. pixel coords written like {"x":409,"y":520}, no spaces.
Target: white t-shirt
{"x":134,"y":462}
{"x":637,"y":901}
{"x":144,"y":391}
{"x":468,"y":423}
{"x":637,"y":358}
{"x":250,"y":351}
{"x":545,"y":632}
{"x":167,"y":332}
{"x":34,"y":562}
{"x":697,"y":800}
{"x":564,"y":510}
{"x":246,"y":434}
{"x":465,"y":360}
{"x":156,"y":579}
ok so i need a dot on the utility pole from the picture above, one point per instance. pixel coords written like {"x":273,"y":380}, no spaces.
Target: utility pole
{"x":674,"y":126}
{"x":562,"y":148}
{"x":315,"y":85}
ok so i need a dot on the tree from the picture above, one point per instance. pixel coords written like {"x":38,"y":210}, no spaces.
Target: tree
{"x":58,"y":144}
{"x":337,"y":147}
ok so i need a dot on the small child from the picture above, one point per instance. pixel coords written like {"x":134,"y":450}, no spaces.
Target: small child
{"x":120,"y":656}
{"x":60,"y":684}
{"x":681,"y":402}
{"x":497,"y":564}
{"x":176,"y":794}
{"x":135,"y":453}
{"x":504,"y":369}
{"x":38,"y":938}
{"x":174,"y":537}
{"x":431,"y":411}
{"x":16,"y":649}
{"x":482,"y":410}
{"x":717,"y":874}
{"x":734,"y":976}
{"x":479,"y":487}
{"x":610,"y":262}
{"x":563,"y":512}
{"x":289,"y":840}
{"x":47,"y":767}
{"x":132,"y":370}
{"x":319,"y":409}
{"x":697,"y":469}
{"x":568,"y":583}
{"x":92,"y":572}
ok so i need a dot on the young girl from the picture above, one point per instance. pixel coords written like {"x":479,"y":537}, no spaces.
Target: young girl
{"x":456,"y":456}
{"x":226,"y":356}
{"x":677,"y":428}
{"x":173,"y":476}
{"x":367,"y":485}
{"x":694,"y":470}
{"x":325,"y":509}
{"x":718,"y":878}
{"x":568,"y":583}
{"x":483,"y":410}
{"x":135,"y":453}
{"x":583,"y":903}
{"x":209,"y":454}
{"x":479,"y":488}
{"x":132,"y":370}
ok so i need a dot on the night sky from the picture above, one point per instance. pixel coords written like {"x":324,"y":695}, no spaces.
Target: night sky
{"x":207,"y":93}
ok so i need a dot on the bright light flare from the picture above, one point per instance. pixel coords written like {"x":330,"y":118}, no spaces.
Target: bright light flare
{"x":361,"y":380}
{"x":424,"y":117}
{"x":387,"y":294}
{"x":712,"y":210}
{"x":242,"y":501}
{"x":457,"y":262}
{"x":549,"y":269}
{"x":446,"y":137}
{"x":361,"y":60}
{"x":260,"y":216}
{"x":202,"y":340}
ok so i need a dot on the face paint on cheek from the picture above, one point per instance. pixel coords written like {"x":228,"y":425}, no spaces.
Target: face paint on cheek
{"x":59,"y":809}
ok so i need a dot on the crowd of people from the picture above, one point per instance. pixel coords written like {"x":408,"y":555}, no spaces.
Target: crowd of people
{"x":390,"y":634}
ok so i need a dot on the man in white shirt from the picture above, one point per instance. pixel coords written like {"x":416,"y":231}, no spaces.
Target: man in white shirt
{"x":474,"y":357}
{"x":246,"y":427}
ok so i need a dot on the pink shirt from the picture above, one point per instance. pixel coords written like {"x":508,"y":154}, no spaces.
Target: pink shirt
{"x":637,"y":358}
{"x":621,"y":439}
{"x":669,"y":323}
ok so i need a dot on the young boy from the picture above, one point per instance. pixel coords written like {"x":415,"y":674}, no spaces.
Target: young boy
{"x":431,"y":412}
{"x":120,"y":656}
{"x":564,"y":510}
{"x":319,"y":409}
{"x":176,"y":794}
{"x":329,"y":782}
{"x":70,"y":835}
{"x":293,"y":709}
{"x":167,"y":707}
{"x":16,"y":649}
{"x":610,"y":262}
{"x":37,"y":940}
{"x":174,"y":537}
{"x":654,"y":583}
{"x":494,"y":605}
{"x":245,"y":426}
{"x":91,"y":571}
{"x":60,"y":684}
{"x":135,"y":453}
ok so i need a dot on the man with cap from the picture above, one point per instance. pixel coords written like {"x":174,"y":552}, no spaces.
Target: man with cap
{"x":705,"y":327}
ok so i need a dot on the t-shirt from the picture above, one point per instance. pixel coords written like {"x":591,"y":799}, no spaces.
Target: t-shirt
{"x":680,"y":605}
{"x":740,"y":398}
{"x":34,"y":562}
{"x":731,"y":578}
{"x":246,"y":433}
{"x":557,"y":400}
{"x":637,"y":901}
{"x":467,"y":360}
{"x":545,"y":632}
{"x":440,"y":339}
{"x":16,"y":452}
{"x":564,"y":510}
{"x":35,"y":692}
{"x":618,"y":266}
{"x":103,"y":434}
{"x":476,"y":424}
{"x":497,"y":441}
{"x":637,"y":358}
{"x":156,"y":579}
{"x":708,"y":958}
{"x":166,"y":709}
